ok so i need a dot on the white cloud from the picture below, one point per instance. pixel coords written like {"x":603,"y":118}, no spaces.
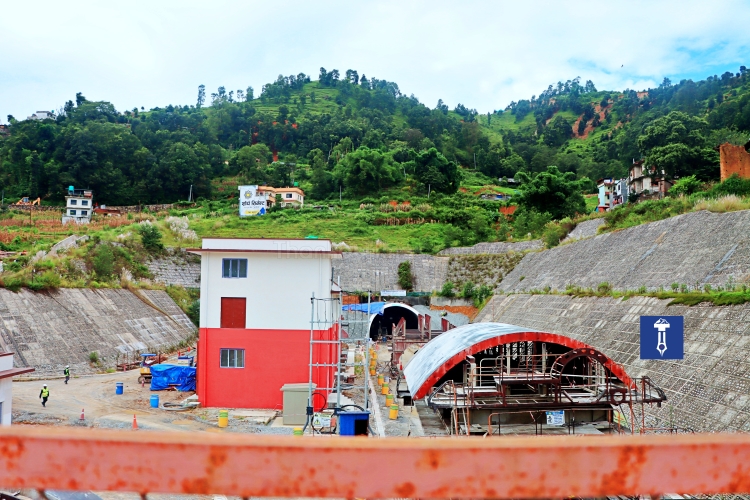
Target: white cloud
{"x":482,"y":54}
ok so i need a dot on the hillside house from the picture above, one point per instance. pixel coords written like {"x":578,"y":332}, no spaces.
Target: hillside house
{"x":42,"y":115}
{"x":646,"y":181}
{"x":289,"y":196}
{"x":253,"y":338}
{"x":605,"y":187}
{"x":78,"y":206}
{"x":7,"y":372}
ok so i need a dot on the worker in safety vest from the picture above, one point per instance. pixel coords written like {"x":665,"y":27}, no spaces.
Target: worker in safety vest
{"x":44,"y":395}
{"x":66,"y":372}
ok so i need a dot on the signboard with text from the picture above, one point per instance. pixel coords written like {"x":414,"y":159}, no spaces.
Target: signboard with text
{"x":393,"y":293}
{"x":556,"y":418}
{"x":251,"y":201}
{"x":662,"y":337}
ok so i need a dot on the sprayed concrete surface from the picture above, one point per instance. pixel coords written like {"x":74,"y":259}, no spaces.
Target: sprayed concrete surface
{"x":48,"y":330}
{"x":694,"y":249}
{"x":707,"y":391}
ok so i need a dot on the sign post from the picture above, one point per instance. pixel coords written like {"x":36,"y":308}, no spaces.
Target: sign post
{"x":251,"y":201}
{"x":662,"y":337}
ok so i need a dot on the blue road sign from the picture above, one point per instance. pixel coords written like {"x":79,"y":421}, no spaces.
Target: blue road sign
{"x":662,"y":337}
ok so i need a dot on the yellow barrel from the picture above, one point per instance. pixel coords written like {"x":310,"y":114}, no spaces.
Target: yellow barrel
{"x":380,"y":379}
{"x":384,"y":390}
{"x":298,"y":431}
{"x":372,"y":371}
{"x":389,"y":400}
{"x":393,"y":414}
{"x":223,"y":418}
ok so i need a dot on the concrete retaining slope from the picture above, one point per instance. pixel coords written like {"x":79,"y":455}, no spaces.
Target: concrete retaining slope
{"x":707,"y":391}
{"x":49,"y":330}
{"x":695,"y":249}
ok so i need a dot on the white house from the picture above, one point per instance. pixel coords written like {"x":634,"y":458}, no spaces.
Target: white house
{"x":7,"y":372}
{"x":255,"y":309}
{"x":41,"y":115}
{"x":78,"y":206}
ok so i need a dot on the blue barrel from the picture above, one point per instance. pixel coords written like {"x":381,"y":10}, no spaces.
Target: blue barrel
{"x":154,"y":401}
{"x":118,"y":388}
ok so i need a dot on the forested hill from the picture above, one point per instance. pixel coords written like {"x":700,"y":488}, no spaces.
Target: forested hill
{"x":364,"y":135}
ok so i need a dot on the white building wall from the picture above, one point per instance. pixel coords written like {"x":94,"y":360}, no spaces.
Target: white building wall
{"x":278,"y":286}
{"x":6,"y":391}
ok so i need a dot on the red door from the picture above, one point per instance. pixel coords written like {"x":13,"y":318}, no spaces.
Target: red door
{"x":233,"y":312}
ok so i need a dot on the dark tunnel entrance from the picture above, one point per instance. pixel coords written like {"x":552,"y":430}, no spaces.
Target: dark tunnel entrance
{"x":392,"y":314}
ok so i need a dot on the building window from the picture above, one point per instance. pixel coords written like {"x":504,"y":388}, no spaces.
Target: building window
{"x":84,"y":212}
{"x":72,"y":212}
{"x":74,"y":202}
{"x":289,"y":195}
{"x":233,"y":358}
{"x":84,"y":202}
{"x":234,"y":268}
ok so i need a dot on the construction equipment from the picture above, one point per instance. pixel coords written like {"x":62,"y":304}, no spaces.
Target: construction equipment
{"x":26,"y":202}
{"x":146,"y":363}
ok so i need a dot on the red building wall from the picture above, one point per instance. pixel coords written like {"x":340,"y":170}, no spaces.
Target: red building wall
{"x":272,"y":358}
{"x":733,"y":160}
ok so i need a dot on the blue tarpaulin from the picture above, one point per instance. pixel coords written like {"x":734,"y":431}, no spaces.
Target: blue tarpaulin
{"x":163,"y":376}
{"x":375,"y":307}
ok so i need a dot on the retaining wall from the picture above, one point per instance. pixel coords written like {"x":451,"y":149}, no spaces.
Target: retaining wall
{"x":379,"y":271}
{"x":695,"y":249}
{"x":707,"y":391}
{"x":177,"y":268}
{"x":48,"y":330}
{"x":497,"y":247}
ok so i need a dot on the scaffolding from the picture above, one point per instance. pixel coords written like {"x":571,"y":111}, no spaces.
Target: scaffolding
{"x":343,"y":328}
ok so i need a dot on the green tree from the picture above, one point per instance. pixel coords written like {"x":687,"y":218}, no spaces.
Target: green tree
{"x":405,"y":276}
{"x":686,"y":186}
{"x":433,"y":169}
{"x":676,"y":143}
{"x":322,"y":180}
{"x":150,"y":237}
{"x":557,"y":132}
{"x":367,"y":171}
{"x":103,"y":262}
{"x":558,"y":194}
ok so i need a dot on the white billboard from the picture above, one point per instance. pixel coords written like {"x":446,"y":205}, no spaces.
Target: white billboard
{"x":251,"y":201}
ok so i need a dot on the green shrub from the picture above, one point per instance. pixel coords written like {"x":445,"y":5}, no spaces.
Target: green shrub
{"x":405,"y":277}
{"x":194,"y":312}
{"x":93,"y":357}
{"x":604,"y":287}
{"x":468,"y":290}
{"x":447,"y":290}
{"x":150,"y":237}
{"x":103,"y":261}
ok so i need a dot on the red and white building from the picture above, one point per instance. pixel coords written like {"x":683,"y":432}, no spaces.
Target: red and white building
{"x":255,"y":319}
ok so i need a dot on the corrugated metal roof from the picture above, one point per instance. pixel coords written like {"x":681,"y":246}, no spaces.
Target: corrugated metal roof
{"x":440,"y":350}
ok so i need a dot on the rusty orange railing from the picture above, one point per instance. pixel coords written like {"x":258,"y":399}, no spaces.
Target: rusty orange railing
{"x":244,"y":465}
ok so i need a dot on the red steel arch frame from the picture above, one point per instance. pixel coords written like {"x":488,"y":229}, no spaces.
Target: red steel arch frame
{"x":552,"y":338}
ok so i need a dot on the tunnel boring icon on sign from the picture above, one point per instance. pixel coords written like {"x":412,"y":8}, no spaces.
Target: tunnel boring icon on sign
{"x":662,"y":337}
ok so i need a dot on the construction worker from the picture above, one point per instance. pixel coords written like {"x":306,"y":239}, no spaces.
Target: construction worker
{"x":44,"y":395}
{"x":66,"y":372}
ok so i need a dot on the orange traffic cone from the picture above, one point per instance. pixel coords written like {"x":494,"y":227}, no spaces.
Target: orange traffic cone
{"x":135,"y":424}
{"x":82,"y":417}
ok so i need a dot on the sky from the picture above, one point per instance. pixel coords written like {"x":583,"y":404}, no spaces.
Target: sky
{"x":483,"y":54}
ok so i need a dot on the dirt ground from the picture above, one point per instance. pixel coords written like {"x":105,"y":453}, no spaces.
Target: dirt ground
{"x":95,"y":396}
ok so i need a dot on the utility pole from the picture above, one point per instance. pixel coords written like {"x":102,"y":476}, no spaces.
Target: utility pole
{"x":475,"y":161}
{"x":429,"y":186}
{"x":339,"y":194}
{"x":190,"y":196}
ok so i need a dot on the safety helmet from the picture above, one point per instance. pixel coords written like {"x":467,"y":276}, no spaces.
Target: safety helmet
{"x":45,"y":385}
{"x":67,"y":366}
